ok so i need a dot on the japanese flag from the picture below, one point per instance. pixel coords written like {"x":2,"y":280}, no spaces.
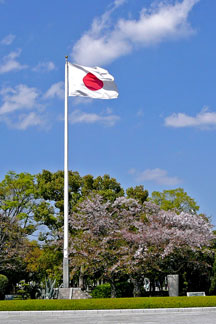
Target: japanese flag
{"x":91,"y":82}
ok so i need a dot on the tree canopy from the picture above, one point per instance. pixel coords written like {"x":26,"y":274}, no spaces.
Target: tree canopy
{"x":112,"y":239}
{"x":115,"y":234}
{"x":176,"y":199}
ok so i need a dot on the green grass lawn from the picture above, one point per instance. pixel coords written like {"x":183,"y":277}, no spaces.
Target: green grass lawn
{"x":109,"y":303}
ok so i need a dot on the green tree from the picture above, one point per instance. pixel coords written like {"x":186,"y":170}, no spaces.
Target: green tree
{"x":51,"y":189}
{"x":20,"y":200}
{"x":43,"y":262}
{"x":105,"y":186}
{"x":17,"y":192}
{"x":138,"y":193}
{"x":176,"y":199}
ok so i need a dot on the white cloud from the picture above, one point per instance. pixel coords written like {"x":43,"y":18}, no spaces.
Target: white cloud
{"x":27,"y":120}
{"x":9,"y":63}
{"x":99,"y":51}
{"x":158,"y":176}
{"x":155,"y":25}
{"x":20,"y":97}
{"x":23,"y":121}
{"x":104,"y":43}
{"x":78,"y":116}
{"x":118,"y":3}
{"x":20,"y":107}
{"x":44,"y":67}
{"x":7,"y":40}
{"x":55,"y":91}
{"x":82,"y":100}
{"x":204,"y":119}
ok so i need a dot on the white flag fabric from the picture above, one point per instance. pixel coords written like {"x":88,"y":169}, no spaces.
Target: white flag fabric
{"x":91,"y":82}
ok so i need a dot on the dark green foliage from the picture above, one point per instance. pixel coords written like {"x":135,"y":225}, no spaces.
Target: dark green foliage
{"x":51,"y":187}
{"x":28,"y":290}
{"x":3,"y":285}
{"x":124,"y":289}
{"x":137,"y":193}
{"x":23,"y":290}
{"x":212,"y":289}
{"x":102,"y":291}
{"x":107,"y":187}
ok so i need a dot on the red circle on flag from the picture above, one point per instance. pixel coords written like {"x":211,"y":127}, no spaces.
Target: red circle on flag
{"x":92,"y":82}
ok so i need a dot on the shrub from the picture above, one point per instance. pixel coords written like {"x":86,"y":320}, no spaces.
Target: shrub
{"x":212,"y":289}
{"x":102,"y":291}
{"x":23,"y":288}
{"x":124,"y":289}
{"x":3,"y":285}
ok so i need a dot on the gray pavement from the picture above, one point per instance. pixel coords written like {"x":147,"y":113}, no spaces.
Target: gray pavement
{"x":147,"y":316}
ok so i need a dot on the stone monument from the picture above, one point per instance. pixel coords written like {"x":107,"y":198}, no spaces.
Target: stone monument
{"x":173,"y":285}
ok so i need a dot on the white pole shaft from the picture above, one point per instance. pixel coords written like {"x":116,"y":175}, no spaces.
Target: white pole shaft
{"x":66,"y":205}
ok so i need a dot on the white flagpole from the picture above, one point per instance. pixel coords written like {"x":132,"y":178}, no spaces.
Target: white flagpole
{"x":65,"y":260}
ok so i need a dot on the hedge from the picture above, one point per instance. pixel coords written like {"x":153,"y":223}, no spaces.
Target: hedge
{"x":3,"y":285}
{"x":123,"y":289}
{"x":109,"y":303}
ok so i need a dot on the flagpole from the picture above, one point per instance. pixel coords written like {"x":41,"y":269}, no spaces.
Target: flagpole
{"x":66,"y":205}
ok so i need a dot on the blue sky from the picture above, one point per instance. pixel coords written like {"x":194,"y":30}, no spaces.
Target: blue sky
{"x":161,"y":130}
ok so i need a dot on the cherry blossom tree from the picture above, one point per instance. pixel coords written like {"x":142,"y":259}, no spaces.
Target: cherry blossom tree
{"x":123,"y":237}
{"x":162,"y":235}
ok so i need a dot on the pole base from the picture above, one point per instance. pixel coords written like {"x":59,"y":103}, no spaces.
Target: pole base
{"x":65,"y":273}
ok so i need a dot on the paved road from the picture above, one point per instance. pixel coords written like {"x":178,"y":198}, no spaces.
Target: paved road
{"x":190,"y":316}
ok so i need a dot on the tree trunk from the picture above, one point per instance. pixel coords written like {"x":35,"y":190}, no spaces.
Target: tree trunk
{"x":81,"y":281}
{"x":113,"y":289}
{"x":81,"y":278}
{"x":136,"y":287}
